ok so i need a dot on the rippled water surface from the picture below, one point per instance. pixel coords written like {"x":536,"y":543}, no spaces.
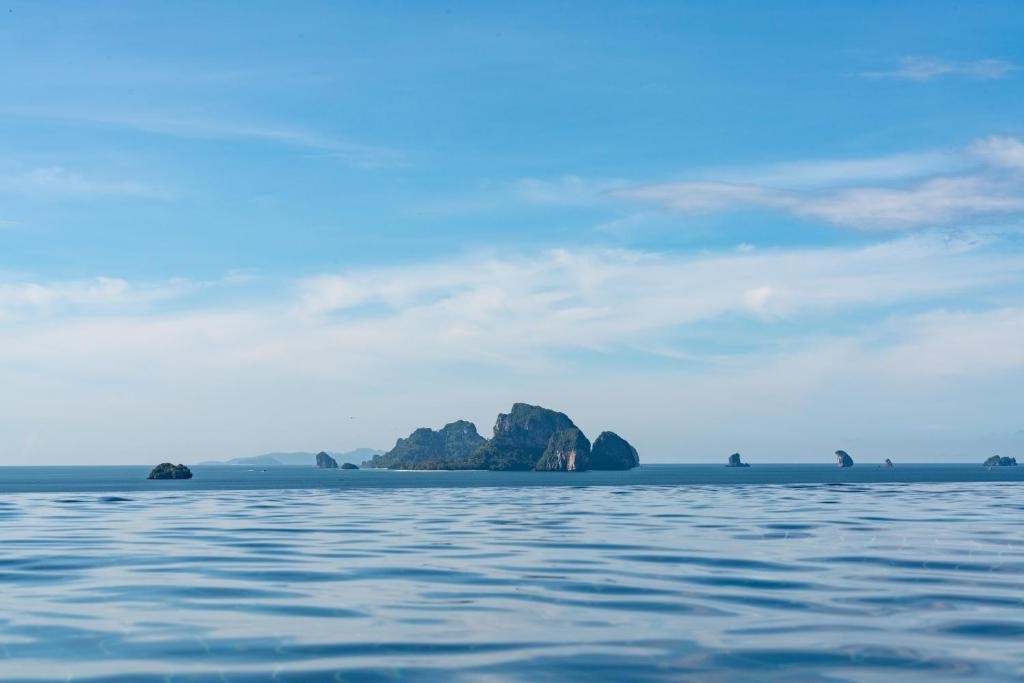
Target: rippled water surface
{"x":798,"y":582}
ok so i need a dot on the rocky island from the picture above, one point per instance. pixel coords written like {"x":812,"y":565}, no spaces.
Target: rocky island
{"x":326,"y":462}
{"x":997,"y":461}
{"x":349,"y":466}
{"x":736,"y":461}
{"x":526,"y":438}
{"x":166,"y":470}
{"x":843,"y":459}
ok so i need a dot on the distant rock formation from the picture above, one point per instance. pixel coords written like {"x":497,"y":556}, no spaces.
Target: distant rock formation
{"x":567,"y":451}
{"x":736,"y":461}
{"x":326,"y":462}
{"x":526,"y":438}
{"x":294,"y":459}
{"x":843,"y":459}
{"x":349,"y":466}
{"x":996,"y":461}
{"x":612,"y":452}
{"x":888,"y":463}
{"x":166,"y":470}
{"x":426,"y":449}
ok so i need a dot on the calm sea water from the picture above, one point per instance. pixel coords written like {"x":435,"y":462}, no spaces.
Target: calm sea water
{"x":665,"y":573}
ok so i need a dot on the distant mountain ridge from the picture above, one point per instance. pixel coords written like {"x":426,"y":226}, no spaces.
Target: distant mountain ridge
{"x":295,"y":458}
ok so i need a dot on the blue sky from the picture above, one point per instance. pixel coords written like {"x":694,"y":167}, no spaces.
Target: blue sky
{"x":237,"y":228}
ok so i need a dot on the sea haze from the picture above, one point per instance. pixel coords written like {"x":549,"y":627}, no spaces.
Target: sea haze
{"x":471,"y":576}
{"x":296,"y":458}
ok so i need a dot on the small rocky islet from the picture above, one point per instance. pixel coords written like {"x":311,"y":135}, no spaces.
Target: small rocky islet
{"x":326,"y":462}
{"x":736,"y":461}
{"x":526,"y":438}
{"x":166,"y":470}
{"x":1000,"y":461}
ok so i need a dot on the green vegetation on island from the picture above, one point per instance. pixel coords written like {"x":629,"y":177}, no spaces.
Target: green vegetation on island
{"x":427,"y":449}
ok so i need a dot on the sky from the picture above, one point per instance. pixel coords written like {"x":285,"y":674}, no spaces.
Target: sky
{"x":774,"y":228}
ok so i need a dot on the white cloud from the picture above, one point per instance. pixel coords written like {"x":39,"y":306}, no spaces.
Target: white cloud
{"x":912,"y":191}
{"x":516,"y":310}
{"x":761,"y":336}
{"x":1000,"y":151}
{"x":21,"y":300}
{"x":815,"y":173}
{"x":931,"y":68}
{"x":57,"y":181}
{"x":704,"y":196}
{"x":937,"y":201}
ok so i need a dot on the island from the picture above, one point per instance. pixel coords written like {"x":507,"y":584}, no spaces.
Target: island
{"x":526,"y":438}
{"x":326,"y":462}
{"x":736,"y":461}
{"x":997,"y":461}
{"x":166,"y":470}
{"x":349,"y":466}
{"x":843,"y":459}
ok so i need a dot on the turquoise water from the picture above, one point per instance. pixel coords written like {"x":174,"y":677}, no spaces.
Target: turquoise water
{"x":665,"y":573}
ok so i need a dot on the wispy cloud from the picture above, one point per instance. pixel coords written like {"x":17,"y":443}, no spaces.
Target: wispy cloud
{"x":100,"y":295}
{"x":813,"y":173}
{"x":509,"y":310}
{"x":1000,"y":151}
{"x":599,"y":298}
{"x":222,"y":128}
{"x":59,"y":182}
{"x":915,"y":68}
{"x":894,"y":193}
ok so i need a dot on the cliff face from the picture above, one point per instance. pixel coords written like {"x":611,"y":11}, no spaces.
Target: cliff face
{"x":427,"y":449}
{"x":612,"y":452}
{"x":520,"y":438}
{"x":324,"y":461}
{"x":567,"y":451}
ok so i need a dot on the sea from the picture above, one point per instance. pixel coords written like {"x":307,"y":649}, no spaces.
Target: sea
{"x":797,"y":573}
